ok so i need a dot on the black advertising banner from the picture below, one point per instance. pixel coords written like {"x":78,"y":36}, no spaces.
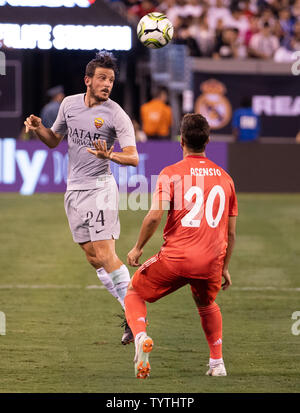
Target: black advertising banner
{"x":11,"y":99}
{"x":59,"y":12}
{"x":276,"y":98}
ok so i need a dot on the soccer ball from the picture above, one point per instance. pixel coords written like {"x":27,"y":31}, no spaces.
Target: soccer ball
{"x":154,"y":30}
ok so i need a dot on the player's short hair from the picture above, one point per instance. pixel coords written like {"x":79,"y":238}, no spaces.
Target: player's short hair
{"x":103,"y":59}
{"x":195,"y":131}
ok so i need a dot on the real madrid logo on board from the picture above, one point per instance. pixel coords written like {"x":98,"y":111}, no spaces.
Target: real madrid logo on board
{"x":213,"y":104}
{"x":99,"y":122}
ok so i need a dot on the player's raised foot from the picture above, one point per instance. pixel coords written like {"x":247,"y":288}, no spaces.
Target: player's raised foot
{"x":127,"y":337}
{"x":218,"y":370}
{"x":143,"y":348}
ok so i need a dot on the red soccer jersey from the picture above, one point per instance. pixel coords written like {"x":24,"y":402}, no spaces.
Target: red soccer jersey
{"x":202,"y":197}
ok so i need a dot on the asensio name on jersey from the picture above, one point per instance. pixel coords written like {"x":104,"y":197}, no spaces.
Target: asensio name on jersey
{"x":202,"y":197}
{"x":83,"y":125}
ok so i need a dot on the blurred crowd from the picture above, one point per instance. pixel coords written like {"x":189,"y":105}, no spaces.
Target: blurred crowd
{"x":263,"y":29}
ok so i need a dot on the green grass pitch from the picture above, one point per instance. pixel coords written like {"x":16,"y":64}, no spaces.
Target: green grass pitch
{"x":64,"y":337}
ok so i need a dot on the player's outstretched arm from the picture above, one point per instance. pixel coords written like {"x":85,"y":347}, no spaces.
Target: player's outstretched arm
{"x":128,"y":156}
{"x":149,"y":226}
{"x":231,"y":241}
{"x":46,"y":135}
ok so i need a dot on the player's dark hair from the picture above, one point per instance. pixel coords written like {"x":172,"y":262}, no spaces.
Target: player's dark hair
{"x":195,"y":131}
{"x":103,"y":59}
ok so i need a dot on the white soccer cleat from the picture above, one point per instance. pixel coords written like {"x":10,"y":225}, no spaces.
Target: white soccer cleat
{"x":218,"y":370}
{"x":143,"y":347}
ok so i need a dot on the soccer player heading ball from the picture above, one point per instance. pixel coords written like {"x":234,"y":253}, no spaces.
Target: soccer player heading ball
{"x":198,"y":242}
{"x":93,"y":122}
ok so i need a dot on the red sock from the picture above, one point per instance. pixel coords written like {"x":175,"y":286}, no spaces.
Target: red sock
{"x":211,"y":320}
{"x":136,"y":312}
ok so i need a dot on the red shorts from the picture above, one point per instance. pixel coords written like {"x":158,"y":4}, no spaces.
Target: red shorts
{"x":156,"y":278}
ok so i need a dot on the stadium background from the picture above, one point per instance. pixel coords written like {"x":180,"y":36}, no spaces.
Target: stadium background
{"x":267,"y":219}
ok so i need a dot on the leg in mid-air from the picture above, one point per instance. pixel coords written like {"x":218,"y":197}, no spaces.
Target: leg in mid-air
{"x":204,"y":293}
{"x":152,"y":281}
{"x":95,"y":231}
{"x":136,"y":312}
{"x":113,"y":274}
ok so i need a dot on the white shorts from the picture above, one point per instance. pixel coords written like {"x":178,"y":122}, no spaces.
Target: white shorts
{"x":93,"y":214}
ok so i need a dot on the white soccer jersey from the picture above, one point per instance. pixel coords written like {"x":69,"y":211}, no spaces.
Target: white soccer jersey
{"x":83,"y":125}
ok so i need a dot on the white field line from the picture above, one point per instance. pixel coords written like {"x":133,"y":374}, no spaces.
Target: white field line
{"x":101,"y":287}
{"x":265,"y":289}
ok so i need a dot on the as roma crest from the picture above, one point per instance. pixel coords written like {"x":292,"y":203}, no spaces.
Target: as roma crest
{"x":99,"y":122}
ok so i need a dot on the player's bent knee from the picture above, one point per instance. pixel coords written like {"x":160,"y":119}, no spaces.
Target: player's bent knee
{"x":203,"y":302}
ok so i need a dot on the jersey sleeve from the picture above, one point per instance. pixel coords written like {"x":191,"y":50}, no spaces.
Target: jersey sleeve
{"x":233,"y":204}
{"x":60,"y":125}
{"x":124,"y":129}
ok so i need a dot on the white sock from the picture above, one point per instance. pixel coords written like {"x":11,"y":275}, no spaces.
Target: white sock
{"x":121,"y":279}
{"x":136,"y":341}
{"x":137,"y":337}
{"x":215,"y":362}
{"x":108,"y":284}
